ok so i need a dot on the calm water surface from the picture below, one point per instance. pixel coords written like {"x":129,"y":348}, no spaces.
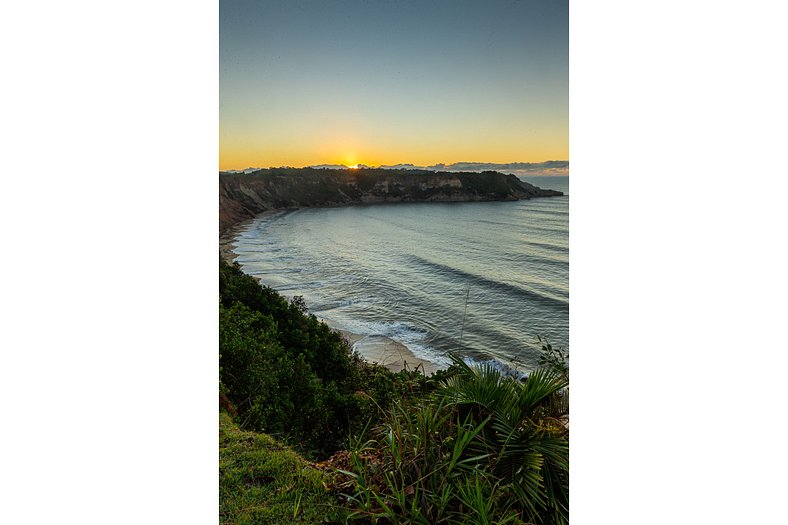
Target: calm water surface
{"x":480,"y":279}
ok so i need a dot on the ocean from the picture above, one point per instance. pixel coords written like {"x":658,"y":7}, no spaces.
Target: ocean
{"x":481,"y":279}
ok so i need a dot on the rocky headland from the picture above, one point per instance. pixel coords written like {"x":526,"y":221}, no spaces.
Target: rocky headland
{"x":245,"y":195}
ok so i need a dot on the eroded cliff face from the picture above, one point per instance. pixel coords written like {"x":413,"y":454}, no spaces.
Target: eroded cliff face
{"x":242,"y":196}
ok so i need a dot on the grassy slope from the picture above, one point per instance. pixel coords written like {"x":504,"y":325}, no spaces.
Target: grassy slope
{"x":263,"y":481}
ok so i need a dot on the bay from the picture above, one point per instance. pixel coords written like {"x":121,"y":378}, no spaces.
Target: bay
{"x":481,"y":279}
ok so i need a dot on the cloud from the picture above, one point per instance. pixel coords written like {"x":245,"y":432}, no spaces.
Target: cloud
{"x":402,"y":167}
{"x":527,"y":169}
{"x":551,"y":167}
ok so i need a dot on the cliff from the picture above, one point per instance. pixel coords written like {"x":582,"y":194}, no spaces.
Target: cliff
{"x":244,"y":195}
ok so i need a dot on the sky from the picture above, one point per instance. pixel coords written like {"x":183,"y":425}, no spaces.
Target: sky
{"x":388,"y":82}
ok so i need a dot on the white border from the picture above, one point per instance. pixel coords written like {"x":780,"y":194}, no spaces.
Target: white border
{"x":677,"y":261}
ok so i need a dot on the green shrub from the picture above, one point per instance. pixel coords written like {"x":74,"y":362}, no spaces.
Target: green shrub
{"x":289,"y":374}
{"x":484,"y":448}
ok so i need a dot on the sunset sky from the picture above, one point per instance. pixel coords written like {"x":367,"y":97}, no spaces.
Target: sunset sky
{"x":388,"y":82}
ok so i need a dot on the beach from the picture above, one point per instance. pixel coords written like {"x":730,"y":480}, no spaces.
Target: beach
{"x":387,"y":352}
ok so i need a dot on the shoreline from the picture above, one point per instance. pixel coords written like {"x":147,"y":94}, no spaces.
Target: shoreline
{"x":227,"y":241}
{"x":373,"y":348}
{"x":384,"y":351}
{"x":227,"y":238}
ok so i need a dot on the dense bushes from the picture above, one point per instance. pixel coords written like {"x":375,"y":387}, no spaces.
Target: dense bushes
{"x":484,"y":448}
{"x":487,"y":183}
{"x":289,"y":374}
{"x":296,"y":331}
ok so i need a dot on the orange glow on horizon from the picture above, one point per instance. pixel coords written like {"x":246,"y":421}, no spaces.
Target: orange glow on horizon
{"x":262,"y":150}
{"x":304,"y":143}
{"x":236,"y":160}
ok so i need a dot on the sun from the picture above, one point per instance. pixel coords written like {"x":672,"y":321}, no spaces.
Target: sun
{"x":353,"y":167}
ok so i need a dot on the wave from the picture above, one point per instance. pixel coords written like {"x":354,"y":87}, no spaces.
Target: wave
{"x":416,"y":339}
{"x":504,"y":368}
{"x":533,"y":295}
{"x":562,"y":249}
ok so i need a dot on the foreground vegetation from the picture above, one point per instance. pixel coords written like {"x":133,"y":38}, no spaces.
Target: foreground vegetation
{"x":465,"y":446}
{"x":483,"y":448}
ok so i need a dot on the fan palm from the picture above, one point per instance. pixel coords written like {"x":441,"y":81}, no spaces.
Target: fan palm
{"x":525,"y":438}
{"x":485,"y":448}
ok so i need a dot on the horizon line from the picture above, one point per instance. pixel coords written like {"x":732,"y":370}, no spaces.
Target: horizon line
{"x":520,"y":166}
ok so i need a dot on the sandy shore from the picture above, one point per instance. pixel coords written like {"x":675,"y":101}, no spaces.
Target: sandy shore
{"x":385,"y":351}
{"x":391,"y":354}
{"x":373,"y":348}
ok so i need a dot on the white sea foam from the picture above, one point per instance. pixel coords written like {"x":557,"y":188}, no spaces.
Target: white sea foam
{"x":414,"y":338}
{"x":504,"y":368}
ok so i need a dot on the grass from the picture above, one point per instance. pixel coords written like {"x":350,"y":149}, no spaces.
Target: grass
{"x":262,"y":481}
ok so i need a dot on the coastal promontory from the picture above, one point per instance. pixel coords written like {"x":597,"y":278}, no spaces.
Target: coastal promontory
{"x":244,"y":195}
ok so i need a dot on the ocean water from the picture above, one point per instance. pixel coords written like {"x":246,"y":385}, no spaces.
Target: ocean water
{"x":479,"y":279}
